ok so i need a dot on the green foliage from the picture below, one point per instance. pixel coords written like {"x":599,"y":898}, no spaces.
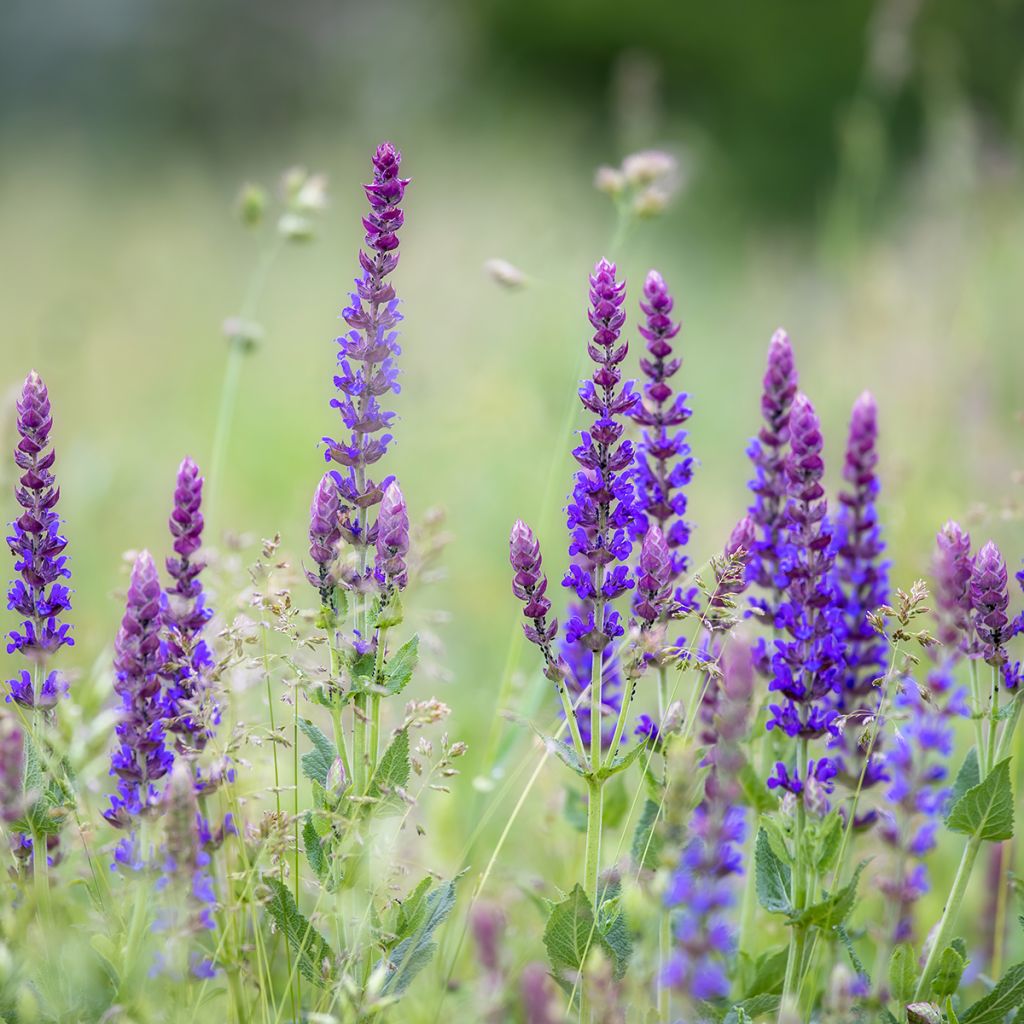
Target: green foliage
{"x":571,"y":932}
{"x":646,"y":847}
{"x":771,"y":876}
{"x":313,"y":847}
{"x":394,"y":769}
{"x":948,"y":972}
{"x":835,"y":908}
{"x":902,"y":972}
{"x":985,"y":811}
{"x":967,"y":778}
{"x":769,"y":972}
{"x":315,"y":958}
{"x":317,"y":763}
{"x":1006,"y":996}
{"x":416,"y":932}
{"x":401,"y":665}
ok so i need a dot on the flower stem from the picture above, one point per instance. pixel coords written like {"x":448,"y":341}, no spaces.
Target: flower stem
{"x":797,"y":935}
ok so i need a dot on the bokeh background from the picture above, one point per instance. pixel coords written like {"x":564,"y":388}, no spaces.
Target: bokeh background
{"x":852,"y":172}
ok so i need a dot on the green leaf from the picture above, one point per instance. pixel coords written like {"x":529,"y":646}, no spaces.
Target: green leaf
{"x":771,"y":877}
{"x":1006,"y":996}
{"x":769,"y":973}
{"x":752,"y":1008}
{"x":611,"y":925}
{"x":646,"y":847}
{"x":986,"y":810}
{"x":314,"y":956}
{"x":828,"y":841}
{"x":902,"y":973}
{"x":413,"y":953}
{"x":317,"y":763}
{"x":858,"y":964}
{"x":835,"y":908}
{"x":967,"y":778}
{"x":394,"y":770}
{"x":616,"y":803}
{"x":401,"y":666}
{"x":737,"y":1015}
{"x":570,"y":931}
{"x":412,"y":910}
{"x":948,"y":973}
{"x":622,"y":761}
{"x":776,"y":838}
{"x":313,"y":847}
{"x":755,"y":793}
{"x":575,"y":809}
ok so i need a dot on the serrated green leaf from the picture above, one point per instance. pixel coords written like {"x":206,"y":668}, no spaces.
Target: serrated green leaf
{"x":967,"y":778}
{"x":313,"y":847}
{"x":612,"y":930}
{"x":835,"y":908}
{"x":570,"y":931}
{"x":315,"y":958}
{"x":858,"y":964}
{"x":986,"y":810}
{"x":948,"y":972}
{"x":902,"y":973}
{"x":828,"y":842}
{"x":401,"y":666}
{"x":317,"y":763}
{"x":616,"y":803}
{"x":769,"y":973}
{"x":412,"y":910}
{"x":413,"y":953}
{"x":755,"y":793}
{"x":1006,"y":996}
{"x":776,"y":839}
{"x":772,"y":877}
{"x":394,"y":769}
{"x":565,"y":752}
{"x":623,"y":761}
{"x":646,"y":847}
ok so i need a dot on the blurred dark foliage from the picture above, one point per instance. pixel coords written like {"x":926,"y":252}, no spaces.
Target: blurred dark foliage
{"x":765,"y":88}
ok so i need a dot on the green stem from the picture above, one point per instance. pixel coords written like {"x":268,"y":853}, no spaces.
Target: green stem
{"x":662,"y":695}
{"x":993,"y":721}
{"x":976,"y":715}
{"x":359,"y":743}
{"x":378,"y":676}
{"x":574,"y":725}
{"x":799,"y":890}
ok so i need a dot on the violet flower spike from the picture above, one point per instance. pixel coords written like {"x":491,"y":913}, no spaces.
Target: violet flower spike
{"x":990,"y":600}
{"x":392,"y":539}
{"x":663,"y":465}
{"x":38,"y":595}
{"x":952,"y":567}
{"x":652,"y":579}
{"x":187,"y":657}
{"x":142,"y":758}
{"x":325,"y":536}
{"x":768,"y":454}
{"x":367,"y":353}
{"x":806,"y":667}
{"x":530,"y":585}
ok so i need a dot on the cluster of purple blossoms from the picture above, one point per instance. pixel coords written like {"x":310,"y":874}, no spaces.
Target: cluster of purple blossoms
{"x":990,"y":600}
{"x":366,"y":359}
{"x":142,"y":757}
{"x":951,"y":570}
{"x":768,"y":454}
{"x":861,"y":586}
{"x":325,"y":536}
{"x":663,"y":465}
{"x":187,"y":658}
{"x":392,"y":540}
{"x":806,"y":667}
{"x":38,"y":595}
{"x":702,"y":890}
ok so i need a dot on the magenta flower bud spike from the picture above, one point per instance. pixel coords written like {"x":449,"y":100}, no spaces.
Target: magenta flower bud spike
{"x":530,"y":585}
{"x":655,"y":572}
{"x":392,"y":539}
{"x":38,"y":595}
{"x":324,"y":535}
{"x":952,"y":568}
{"x":990,"y":599}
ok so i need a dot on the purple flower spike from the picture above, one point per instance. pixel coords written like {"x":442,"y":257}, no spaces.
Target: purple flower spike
{"x":952,"y":568}
{"x":367,"y":353}
{"x":601,"y":512}
{"x":187,"y":656}
{"x":393,"y":538}
{"x":12,"y":762}
{"x":806,"y":667}
{"x":768,"y":454}
{"x":142,"y":757}
{"x":324,"y":535}
{"x":530,"y":584}
{"x":663,"y":464}
{"x":656,"y":570}
{"x":990,"y":599}
{"x":38,"y":549}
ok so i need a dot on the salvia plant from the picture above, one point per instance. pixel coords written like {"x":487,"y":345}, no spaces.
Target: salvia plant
{"x":760,"y":748}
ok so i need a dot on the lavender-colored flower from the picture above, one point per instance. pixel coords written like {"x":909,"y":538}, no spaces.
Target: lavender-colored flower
{"x":662,"y":466}
{"x":990,"y":599}
{"x":187,"y":659}
{"x":952,"y":567}
{"x":702,"y":889}
{"x":806,"y":666}
{"x":768,"y":454}
{"x":917,"y":760}
{"x":366,"y":360}
{"x":12,"y":763}
{"x":38,"y":549}
{"x":324,"y":535}
{"x":142,"y":757}
{"x":530,"y":584}
{"x":600,"y":513}
{"x":653,"y":576}
{"x":539,"y":996}
{"x":392,"y":539}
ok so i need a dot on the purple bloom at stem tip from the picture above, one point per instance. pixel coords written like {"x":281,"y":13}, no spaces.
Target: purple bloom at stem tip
{"x":530,"y":585}
{"x":952,"y":567}
{"x":324,"y":536}
{"x":38,"y":595}
{"x":392,"y":539}
{"x":990,"y":599}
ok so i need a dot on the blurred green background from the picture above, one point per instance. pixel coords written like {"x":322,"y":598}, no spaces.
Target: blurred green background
{"x":852,"y":172}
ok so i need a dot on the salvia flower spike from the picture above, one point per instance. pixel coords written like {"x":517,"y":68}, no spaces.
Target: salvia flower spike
{"x":38,"y":595}
{"x":990,"y":600}
{"x":324,"y":536}
{"x":142,"y":757}
{"x":187,"y":656}
{"x":530,"y":585}
{"x":392,"y":539}
{"x":952,"y":568}
{"x":367,"y":369}
{"x":768,"y":454}
{"x":663,"y":466}
{"x":808,"y":658}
